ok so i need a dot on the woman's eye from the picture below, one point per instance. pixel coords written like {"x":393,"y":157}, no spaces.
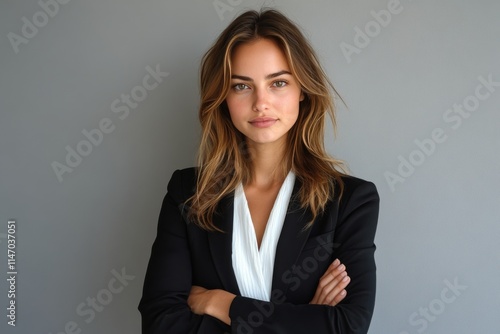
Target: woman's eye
{"x":280,"y":83}
{"x":240,"y":86}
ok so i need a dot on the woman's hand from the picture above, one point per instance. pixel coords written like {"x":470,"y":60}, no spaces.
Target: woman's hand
{"x":212,"y":302}
{"x":331,"y":286}
{"x":198,"y":300}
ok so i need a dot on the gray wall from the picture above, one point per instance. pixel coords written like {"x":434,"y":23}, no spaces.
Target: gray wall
{"x":422,"y":123}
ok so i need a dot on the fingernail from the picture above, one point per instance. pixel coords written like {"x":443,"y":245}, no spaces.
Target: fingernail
{"x":336,"y":262}
{"x":345,"y":279}
{"x":342,"y":293}
{"x":341,"y":267}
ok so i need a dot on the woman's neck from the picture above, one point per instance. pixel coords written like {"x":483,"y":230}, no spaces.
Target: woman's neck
{"x":267,"y":164}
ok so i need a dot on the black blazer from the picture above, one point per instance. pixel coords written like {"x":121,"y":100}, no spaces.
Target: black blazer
{"x":184,"y":255}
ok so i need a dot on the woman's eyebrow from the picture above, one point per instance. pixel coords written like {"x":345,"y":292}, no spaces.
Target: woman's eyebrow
{"x":269,"y":76}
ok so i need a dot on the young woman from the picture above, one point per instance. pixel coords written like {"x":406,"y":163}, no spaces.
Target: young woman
{"x":266,"y":235}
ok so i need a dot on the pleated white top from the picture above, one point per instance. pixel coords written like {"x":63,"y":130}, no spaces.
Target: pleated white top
{"x":253,"y":267}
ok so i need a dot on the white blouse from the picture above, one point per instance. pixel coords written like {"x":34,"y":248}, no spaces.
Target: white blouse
{"x":253,"y":267}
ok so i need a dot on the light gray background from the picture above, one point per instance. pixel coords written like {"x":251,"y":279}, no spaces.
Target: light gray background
{"x":440,"y":225}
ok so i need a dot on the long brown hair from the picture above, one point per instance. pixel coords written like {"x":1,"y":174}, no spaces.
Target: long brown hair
{"x":224,"y":160}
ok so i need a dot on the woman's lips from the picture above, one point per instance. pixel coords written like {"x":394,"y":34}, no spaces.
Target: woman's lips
{"x":263,"y":122}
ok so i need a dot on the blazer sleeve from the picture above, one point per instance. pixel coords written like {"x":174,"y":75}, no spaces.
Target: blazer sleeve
{"x":354,"y":246}
{"x":167,"y":284}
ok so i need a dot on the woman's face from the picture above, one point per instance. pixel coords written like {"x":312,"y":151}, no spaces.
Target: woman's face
{"x":264,"y":97}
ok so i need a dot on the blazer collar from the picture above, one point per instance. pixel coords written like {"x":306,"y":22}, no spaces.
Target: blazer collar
{"x":221,"y":246}
{"x":291,"y":241}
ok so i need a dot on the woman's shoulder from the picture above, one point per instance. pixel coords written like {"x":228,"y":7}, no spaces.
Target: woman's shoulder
{"x":185,"y":173}
{"x":351,"y":181}
{"x":182,"y":183}
{"x":357,"y":187}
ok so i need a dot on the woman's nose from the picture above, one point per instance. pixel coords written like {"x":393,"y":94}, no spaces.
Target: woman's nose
{"x":261,"y":100}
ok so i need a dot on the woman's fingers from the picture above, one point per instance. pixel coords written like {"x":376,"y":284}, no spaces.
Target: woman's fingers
{"x":335,"y":291}
{"x":333,"y":274}
{"x":331,"y":286}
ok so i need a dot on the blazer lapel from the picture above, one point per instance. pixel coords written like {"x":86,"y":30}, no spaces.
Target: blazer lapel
{"x":220,"y":244}
{"x":291,"y":241}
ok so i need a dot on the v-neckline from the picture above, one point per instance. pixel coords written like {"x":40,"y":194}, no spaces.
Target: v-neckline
{"x":253,"y":265}
{"x":270,"y":219}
